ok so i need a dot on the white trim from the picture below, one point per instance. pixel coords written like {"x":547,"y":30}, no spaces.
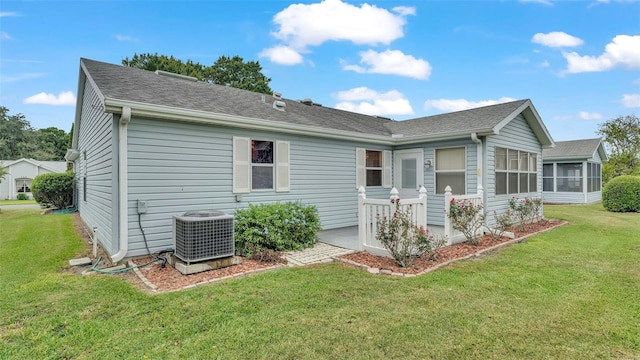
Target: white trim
{"x":283,"y":166}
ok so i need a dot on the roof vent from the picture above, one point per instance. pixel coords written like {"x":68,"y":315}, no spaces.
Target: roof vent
{"x":277,"y":95}
{"x":279,"y":105}
{"x":307,"y":101}
{"x":175,"y":76}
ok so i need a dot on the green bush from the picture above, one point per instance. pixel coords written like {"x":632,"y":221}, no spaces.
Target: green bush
{"x":277,"y":227}
{"x":622,"y":194}
{"x":22,"y":196}
{"x":53,"y":189}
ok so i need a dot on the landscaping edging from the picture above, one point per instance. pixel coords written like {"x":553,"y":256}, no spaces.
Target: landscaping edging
{"x":379,"y":271}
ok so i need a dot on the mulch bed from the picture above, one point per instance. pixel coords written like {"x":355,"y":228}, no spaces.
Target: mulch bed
{"x":446,"y":254}
{"x":158,"y":279}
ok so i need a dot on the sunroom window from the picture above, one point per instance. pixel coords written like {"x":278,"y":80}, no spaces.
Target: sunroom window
{"x":451,"y":170}
{"x":516,"y":171}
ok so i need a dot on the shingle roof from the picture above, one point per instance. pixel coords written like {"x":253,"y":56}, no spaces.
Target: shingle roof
{"x":135,"y":85}
{"x":126,"y":83}
{"x":471,"y":120}
{"x":574,"y":149}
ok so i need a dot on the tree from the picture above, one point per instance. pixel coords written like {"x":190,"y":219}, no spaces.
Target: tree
{"x":19,"y":140}
{"x":622,"y":137}
{"x":3,"y":172}
{"x":14,"y":134}
{"x":228,"y":71}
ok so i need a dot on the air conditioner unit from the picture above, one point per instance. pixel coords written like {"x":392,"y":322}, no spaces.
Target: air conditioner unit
{"x":203,"y":235}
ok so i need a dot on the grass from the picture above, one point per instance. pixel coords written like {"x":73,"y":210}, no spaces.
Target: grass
{"x":17,"y":202}
{"x":571,"y":293}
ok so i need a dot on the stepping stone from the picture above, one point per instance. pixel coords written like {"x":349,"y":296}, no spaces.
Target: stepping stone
{"x":80,"y":262}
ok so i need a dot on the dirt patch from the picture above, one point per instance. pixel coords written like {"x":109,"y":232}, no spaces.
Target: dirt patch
{"x":447,"y":254}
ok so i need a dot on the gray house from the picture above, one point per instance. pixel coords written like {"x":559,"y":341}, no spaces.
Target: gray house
{"x":572,"y":171}
{"x":174,"y":144}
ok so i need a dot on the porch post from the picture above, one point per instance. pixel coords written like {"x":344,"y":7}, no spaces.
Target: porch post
{"x":362,"y":216}
{"x":422,"y":208}
{"x":394,"y":194}
{"x":447,"y":222}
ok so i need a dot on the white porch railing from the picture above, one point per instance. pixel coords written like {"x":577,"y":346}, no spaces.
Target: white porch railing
{"x":450,"y":233}
{"x":371,"y":210}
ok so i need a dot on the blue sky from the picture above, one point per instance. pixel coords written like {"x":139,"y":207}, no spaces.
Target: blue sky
{"x":579,"y":61}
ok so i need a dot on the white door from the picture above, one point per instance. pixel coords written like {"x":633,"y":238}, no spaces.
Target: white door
{"x":409,"y":172}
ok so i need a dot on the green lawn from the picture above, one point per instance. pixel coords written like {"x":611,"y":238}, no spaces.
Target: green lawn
{"x":571,"y":293}
{"x":17,"y":202}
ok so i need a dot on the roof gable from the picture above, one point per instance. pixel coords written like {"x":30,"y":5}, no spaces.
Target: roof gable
{"x":53,"y":166}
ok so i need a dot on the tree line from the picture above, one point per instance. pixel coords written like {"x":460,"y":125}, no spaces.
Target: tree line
{"x":18,"y":139}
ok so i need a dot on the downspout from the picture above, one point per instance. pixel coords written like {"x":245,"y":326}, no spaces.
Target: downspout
{"x":479,"y":155}
{"x":123,"y":228}
{"x":480,"y":165}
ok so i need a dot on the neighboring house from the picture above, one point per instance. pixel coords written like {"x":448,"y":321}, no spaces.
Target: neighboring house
{"x":21,"y":172}
{"x":572,"y":171}
{"x":178,"y":144}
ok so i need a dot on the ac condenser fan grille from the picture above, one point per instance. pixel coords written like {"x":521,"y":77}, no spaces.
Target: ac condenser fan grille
{"x":201,"y":237}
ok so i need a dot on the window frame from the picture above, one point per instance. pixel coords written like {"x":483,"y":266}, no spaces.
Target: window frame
{"x":524,"y":170}
{"x":578,"y":180}
{"x":271,"y":165}
{"x":368,"y":169}
{"x":450,"y":171}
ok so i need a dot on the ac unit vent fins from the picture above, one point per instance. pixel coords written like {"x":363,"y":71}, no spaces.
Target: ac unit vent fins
{"x":203,"y":235}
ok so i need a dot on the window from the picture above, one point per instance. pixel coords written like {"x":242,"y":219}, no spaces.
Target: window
{"x":451,"y":170}
{"x":547,"y":177}
{"x":516,"y":171}
{"x":594,"y":177}
{"x":373,"y":168}
{"x":23,"y":185}
{"x":260,"y":165}
{"x":569,"y":177}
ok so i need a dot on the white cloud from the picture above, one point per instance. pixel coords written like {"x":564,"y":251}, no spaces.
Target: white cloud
{"x":622,"y":52}
{"x":282,"y":55}
{"x":64,"y":98}
{"x":449,"y":105}
{"x":127,"y":38}
{"x":405,"y":10}
{"x":556,"y":39}
{"x":367,"y":101}
{"x":391,"y":62}
{"x":303,"y":25}
{"x":590,"y":116}
{"x":545,"y":64}
{"x":316,"y":23}
{"x":4,"y":36}
{"x":8,"y":13}
{"x":631,"y":100}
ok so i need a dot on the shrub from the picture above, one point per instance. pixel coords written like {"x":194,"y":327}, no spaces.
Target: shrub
{"x":403,"y":239}
{"x":467,"y":218}
{"x":277,"y":227}
{"x":522,"y":210}
{"x":503,"y":222}
{"x":53,"y":189}
{"x":622,"y":194}
{"x":22,"y":196}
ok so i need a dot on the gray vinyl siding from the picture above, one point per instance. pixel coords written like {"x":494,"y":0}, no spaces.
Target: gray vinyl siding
{"x":97,"y":139}
{"x":516,"y":135}
{"x":435,"y":203}
{"x":180,"y":167}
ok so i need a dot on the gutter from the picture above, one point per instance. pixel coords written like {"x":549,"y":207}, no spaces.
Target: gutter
{"x":123,"y":228}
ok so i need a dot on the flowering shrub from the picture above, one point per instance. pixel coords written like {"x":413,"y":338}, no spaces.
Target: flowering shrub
{"x":277,"y":227}
{"x":522,"y":210}
{"x":503,"y":222}
{"x":467,"y":218}
{"x":403,"y":239}
{"x":537,"y":215}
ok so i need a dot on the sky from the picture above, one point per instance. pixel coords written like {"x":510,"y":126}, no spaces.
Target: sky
{"x":578,"y":61}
